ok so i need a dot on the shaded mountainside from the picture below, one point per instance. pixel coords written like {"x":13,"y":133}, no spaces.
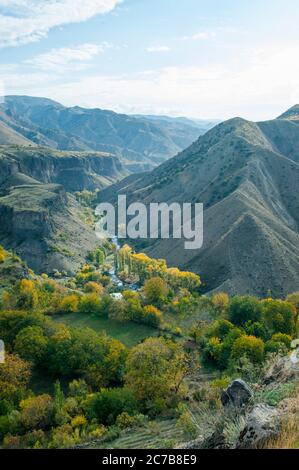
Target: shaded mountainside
{"x":246,"y":174}
{"x":141,"y":143}
{"x":9,"y":136}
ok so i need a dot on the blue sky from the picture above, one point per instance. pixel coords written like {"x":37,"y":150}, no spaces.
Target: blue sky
{"x":198,"y":58}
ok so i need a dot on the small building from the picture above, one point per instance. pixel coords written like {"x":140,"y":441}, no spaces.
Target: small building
{"x":116,"y":296}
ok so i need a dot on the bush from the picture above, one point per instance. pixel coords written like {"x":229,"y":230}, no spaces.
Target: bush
{"x":69,"y":304}
{"x":155,"y":289}
{"x":94,"y":288}
{"x":220,"y":301}
{"x":280,"y":316}
{"x":108,"y":404}
{"x":249,"y":346}
{"x":90,"y":304}
{"x":36,"y":412}
{"x":279,"y":342}
{"x":244,"y":309}
{"x":152,"y":316}
{"x":31,"y":344}
{"x":125,"y":421}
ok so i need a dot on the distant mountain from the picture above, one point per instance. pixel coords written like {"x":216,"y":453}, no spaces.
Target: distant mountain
{"x":181,"y":129}
{"x":10,"y":136}
{"x":246,"y":174}
{"x":292,"y":114}
{"x":141,"y":143}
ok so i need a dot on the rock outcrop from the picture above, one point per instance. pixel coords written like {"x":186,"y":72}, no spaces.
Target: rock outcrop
{"x":237,"y":394}
{"x":263,"y":423}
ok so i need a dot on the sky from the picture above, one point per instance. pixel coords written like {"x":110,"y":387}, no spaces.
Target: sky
{"x":208,"y":59}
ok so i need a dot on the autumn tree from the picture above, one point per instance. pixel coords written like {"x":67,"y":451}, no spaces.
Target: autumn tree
{"x":220,"y":301}
{"x":31,"y":344}
{"x":294,"y":300}
{"x":249,"y":346}
{"x":155,"y":371}
{"x":244,"y":309}
{"x":89,"y":304}
{"x":152,"y":316}
{"x":27,"y":295}
{"x":36,"y":412}
{"x":155,"y":289}
{"x":15,"y":374}
{"x":69,"y":304}
{"x":94,"y":288}
{"x":280,"y":316}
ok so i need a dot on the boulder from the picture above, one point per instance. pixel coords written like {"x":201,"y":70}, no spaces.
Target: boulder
{"x":195,"y":444}
{"x":237,"y":394}
{"x":263,"y":423}
{"x":283,"y":370}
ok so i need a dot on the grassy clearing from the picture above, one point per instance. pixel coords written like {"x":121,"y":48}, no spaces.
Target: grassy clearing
{"x":128,"y":333}
{"x":160,"y":434}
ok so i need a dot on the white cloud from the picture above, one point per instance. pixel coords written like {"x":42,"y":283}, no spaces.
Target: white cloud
{"x":158,"y":49}
{"x":66,"y":58}
{"x":25,"y":21}
{"x":260,"y":85}
{"x":201,"y":36}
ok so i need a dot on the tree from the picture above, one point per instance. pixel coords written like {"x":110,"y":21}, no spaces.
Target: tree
{"x":280,"y":316}
{"x":155,"y":289}
{"x":219,"y":329}
{"x":97,"y":256}
{"x":155,"y":371}
{"x":257,"y":329}
{"x":279,"y":342}
{"x":94,"y":288}
{"x":15,"y":374}
{"x":31,"y":344}
{"x":152,"y":316}
{"x":220,"y":301}
{"x":82,"y":352}
{"x":90,"y":304}
{"x":3,"y":254}
{"x":13,"y":321}
{"x":294,"y":300}
{"x":108,"y":404}
{"x":27,"y":296}
{"x":36,"y":412}
{"x":249,"y":346}
{"x":244,"y":309}
{"x":69,"y":304}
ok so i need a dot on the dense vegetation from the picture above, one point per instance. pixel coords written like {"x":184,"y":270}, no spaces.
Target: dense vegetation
{"x":96,"y":386}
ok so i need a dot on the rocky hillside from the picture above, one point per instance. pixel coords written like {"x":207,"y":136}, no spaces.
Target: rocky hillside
{"x":10,"y":136}
{"x":46,"y":227}
{"x":141,"y":143}
{"x":39,"y":218}
{"x":246,"y":174}
{"x":74,"y":170}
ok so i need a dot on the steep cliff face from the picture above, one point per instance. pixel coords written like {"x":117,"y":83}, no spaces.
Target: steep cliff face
{"x":45,"y":226}
{"x":39,"y":218}
{"x":74,"y":170}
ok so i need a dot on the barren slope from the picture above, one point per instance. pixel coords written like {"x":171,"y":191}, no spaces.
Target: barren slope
{"x":247,"y":175}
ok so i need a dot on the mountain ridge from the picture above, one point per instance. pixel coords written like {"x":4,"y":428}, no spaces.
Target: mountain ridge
{"x":140,"y":143}
{"x":246,"y":175}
